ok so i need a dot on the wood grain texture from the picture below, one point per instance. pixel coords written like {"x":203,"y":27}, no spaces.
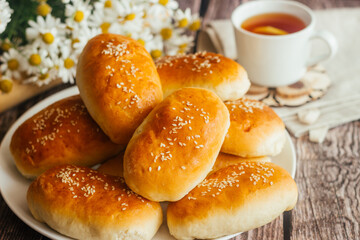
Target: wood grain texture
{"x":328,"y":174}
{"x":328,"y":177}
{"x":11,"y":227}
{"x":221,"y":9}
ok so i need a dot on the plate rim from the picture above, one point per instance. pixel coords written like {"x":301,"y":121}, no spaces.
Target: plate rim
{"x":42,"y":228}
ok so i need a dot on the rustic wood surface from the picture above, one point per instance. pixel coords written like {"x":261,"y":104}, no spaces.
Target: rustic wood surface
{"x":327,"y":174}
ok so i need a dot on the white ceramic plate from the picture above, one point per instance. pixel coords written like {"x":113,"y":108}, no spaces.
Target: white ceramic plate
{"x":14,"y":187}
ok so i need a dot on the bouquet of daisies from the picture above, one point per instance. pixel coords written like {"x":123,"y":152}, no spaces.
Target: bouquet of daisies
{"x":53,"y":37}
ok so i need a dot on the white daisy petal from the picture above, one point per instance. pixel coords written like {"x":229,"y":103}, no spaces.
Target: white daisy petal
{"x":5,"y":14}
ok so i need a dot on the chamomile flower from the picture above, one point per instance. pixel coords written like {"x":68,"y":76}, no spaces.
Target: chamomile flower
{"x":195,"y":22}
{"x":46,"y":33}
{"x":81,"y":37}
{"x":5,"y":44}
{"x":182,"y":18}
{"x":156,"y":18}
{"x":43,"y":77}
{"x":43,"y":9}
{"x":179,"y":44}
{"x":129,"y":18}
{"x":67,"y":65}
{"x":156,"y":47}
{"x":37,"y":60}
{"x":102,"y":17}
{"x":144,"y":38}
{"x":77,"y":13}
{"x":168,"y":4}
{"x":104,"y":4}
{"x":5,"y":14}
{"x":12,"y":64}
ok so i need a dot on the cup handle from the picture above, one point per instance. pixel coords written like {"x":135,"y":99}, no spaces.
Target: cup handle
{"x":331,"y":42}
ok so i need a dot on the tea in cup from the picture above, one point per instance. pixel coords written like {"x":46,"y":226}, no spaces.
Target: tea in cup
{"x":273,"y":40}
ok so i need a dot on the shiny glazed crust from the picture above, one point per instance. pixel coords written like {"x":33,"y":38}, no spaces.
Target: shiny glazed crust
{"x":255,"y":129}
{"x":211,"y":71}
{"x":234,"y":199}
{"x":119,"y":84}
{"x":61,"y":133}
{"x":85,"y":204}
{"x":176,"y":145}
{"x":223,"y":160}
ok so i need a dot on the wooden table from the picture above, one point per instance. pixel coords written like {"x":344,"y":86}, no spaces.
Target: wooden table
{"x":327,"y":174}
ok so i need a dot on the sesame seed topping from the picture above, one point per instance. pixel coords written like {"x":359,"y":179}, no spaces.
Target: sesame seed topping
{"x":255,"y":173}
{"x":200,"y":62}
{"x":246,"y":105}
{"x":118,"y":50}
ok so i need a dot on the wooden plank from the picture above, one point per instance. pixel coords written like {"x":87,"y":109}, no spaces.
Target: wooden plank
{"x":11,"y":227}
{"x":272,"y":230}
{"x":194,"y":5}
{"x":321,"y":4}
{"x":222,"y":9}
{"x":328,"y":177}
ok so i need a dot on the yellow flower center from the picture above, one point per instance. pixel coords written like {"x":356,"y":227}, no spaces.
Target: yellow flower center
{"x":130,"y":17}
{"x":35,"y":59}
{"x":195,"y":25}
{"x":183,"y":23}
{"x":79,"y":16}
{"x":156,"y":53}
{"x":105,"y":27}
{"x":108,"y":4}
{"x":5,"y":46}
{"x":166,"y":33}
{"x":142,"y":42}
{"x":183,"y":46}
{"x":13,"y":64}
{"x":163,"y":2}
{"x":74,"y":40}
{"x":68,"y":63}
{"x":6,"y":85}
{"x":43,"y":9}
{"x":129,"y":35}
{"x":44,"y":76}
{"x":48,"y":38}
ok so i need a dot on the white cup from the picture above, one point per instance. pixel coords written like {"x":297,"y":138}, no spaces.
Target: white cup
{"x":278,"y":60}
